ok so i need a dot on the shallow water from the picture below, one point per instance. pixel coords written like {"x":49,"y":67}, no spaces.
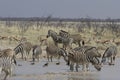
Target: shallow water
{"x":26,"y":71}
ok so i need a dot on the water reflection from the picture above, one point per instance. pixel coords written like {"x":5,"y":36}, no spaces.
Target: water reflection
{"x":83,"y":76}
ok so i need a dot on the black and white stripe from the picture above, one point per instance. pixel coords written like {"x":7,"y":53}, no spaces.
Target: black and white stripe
{"x":110,"y":54}
{"x":83,"y":57}
{"x":19,"y":49}
{"x":37,"y":51}
{"x":6,"y":66}
{"x":24,"y":49}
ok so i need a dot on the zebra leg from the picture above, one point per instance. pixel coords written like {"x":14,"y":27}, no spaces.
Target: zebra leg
{"x":109,"y":60}
{"x":84,"y":67}
{"x":79,"y":43}
{"x":77,"y":67}
{"x":113,"y":59}
{"x":51,"y":58}
{"x":25,"y":58}
{"x":72,"y":66}
{"x":33,"y":58}
{"x":6,"y":75}
{"x":37,"y":58}
{"x":21,"y":55}
{"x":58,"y":60}
{"x":48,"y":57}
{"x":87,"y":66}
{"x":68,"y":63}
{"x":14,"y":58}
{"x":0,"y":70}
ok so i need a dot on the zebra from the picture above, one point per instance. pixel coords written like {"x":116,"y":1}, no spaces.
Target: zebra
{"x":53,"y":51}
{"x":37,"y":50}
{"x":6,"y":62}
{"x":85,"y":48}
{"x":76,"y":37}
{"x":8,"y":53}
{"x":23,"y":47}
{"x":83,"y":57}
{"x":110,"y":53}
{"x":59,"y":39}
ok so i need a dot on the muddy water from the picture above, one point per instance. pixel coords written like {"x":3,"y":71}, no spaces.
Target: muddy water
{"x":25,"y":71}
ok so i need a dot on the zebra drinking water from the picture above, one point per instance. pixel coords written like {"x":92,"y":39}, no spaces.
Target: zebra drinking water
{"x":110,"y":54}
{"x":83,"y":57}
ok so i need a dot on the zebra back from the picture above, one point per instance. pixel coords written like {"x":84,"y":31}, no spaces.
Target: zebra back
{"x":109,"y":52}
{"x":6,"y":65}
{"x":64,"y":34}
{"x":19,"y":49}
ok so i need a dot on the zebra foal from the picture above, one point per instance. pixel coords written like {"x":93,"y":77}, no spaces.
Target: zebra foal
{"x":6,"y":62}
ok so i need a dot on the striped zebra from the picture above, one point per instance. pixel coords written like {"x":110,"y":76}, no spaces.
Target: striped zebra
{"x":83,"y":57}
{"x":67,"y":42}
{"x":8,"y":53}
{"x":37,"y":50}
{"x":110,"y":54}
{"x":6,"y":62}
{"x":56,"y":52}
{"x":76,"y":38}
{"x":24,"y":49}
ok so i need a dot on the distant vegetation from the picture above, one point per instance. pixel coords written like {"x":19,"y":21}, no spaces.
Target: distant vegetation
{"x":93,"y":31}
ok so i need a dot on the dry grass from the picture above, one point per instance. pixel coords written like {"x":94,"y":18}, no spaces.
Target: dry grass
{"x":32,"y":35}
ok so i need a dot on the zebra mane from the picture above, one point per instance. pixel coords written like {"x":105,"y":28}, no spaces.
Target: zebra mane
{"x":51,"y":31}
{"x":105,"y":52}
{"x":93,"y":62}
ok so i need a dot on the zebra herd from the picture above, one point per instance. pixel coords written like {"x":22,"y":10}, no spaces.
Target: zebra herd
{"x":82,"y":55}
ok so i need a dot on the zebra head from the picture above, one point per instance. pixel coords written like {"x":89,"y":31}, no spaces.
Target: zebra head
{"x":52,"y":34}
{"x":62,"y":52}
{"x":97,"y":65}
{"x":49,"y":33}
{"x":103,"y":60}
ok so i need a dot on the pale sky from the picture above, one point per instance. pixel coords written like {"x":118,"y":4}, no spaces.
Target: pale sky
{"x":60,"y":8}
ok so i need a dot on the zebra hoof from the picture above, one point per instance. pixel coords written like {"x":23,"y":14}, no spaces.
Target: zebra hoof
{"x":58,"y":63}
{"x":32,"y":63}
{"x":111,"y":64}
{"x":46,"y":64}
{"x":19,"y":64}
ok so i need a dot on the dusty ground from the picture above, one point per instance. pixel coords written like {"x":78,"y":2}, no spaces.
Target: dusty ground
{"x":25,"y":71}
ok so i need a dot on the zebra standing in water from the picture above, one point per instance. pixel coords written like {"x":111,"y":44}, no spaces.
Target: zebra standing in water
{"x":24,"y":49}
{"x":83,"y":57}
{"x":37,"y":50}
{"x":6,"y":62}
{"x":110,"y":53}
{"x":53,"y":51}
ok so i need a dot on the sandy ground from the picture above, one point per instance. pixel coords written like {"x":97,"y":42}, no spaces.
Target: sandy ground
{"x":25,"y":71}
